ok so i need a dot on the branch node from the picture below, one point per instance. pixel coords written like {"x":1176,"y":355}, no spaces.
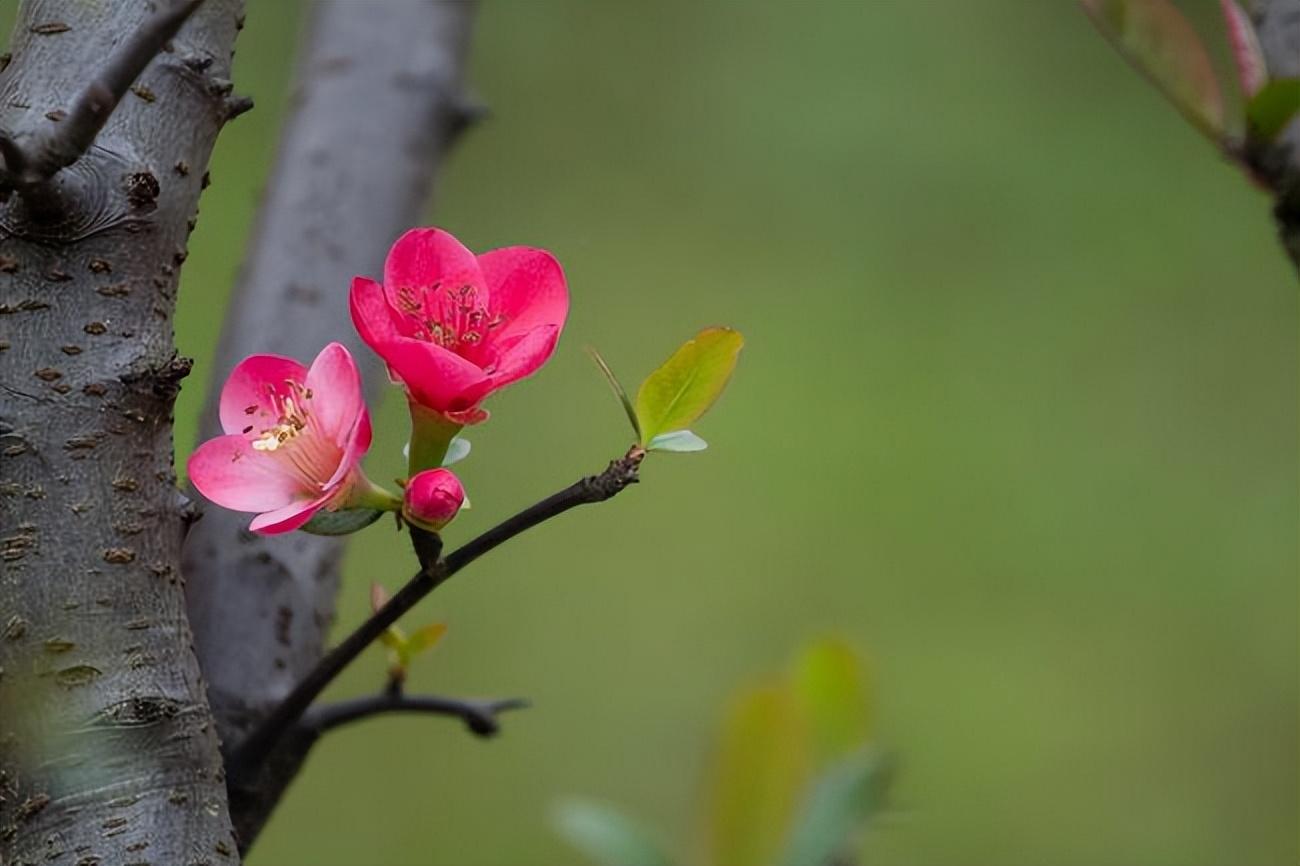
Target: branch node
{"x":237,"y":105}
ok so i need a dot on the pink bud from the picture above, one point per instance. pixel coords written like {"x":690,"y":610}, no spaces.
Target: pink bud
{"x":432,"y":498}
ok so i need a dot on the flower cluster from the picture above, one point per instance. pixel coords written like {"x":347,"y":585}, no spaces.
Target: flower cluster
{"x":452,"y":329}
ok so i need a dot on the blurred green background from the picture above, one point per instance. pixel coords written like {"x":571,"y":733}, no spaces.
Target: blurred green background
{"x":1017,"y":416}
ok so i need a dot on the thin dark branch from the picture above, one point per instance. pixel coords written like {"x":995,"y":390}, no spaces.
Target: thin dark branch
{"x":479,"y":716}
{"x":34,"y":161}
{"x":595,"y":488}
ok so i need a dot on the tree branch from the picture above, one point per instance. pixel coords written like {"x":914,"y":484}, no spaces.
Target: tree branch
{"x":479,"y":716}
{"x":31,"y":159}
{"x":250,"y":754}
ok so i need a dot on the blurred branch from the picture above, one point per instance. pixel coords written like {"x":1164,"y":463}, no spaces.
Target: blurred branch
{"x":31,"y":159}
{"x":378,"y":102}
{"x":248,"y":756}
{"x":479,"y":716}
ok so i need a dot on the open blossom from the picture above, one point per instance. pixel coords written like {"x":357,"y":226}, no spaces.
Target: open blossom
{"x":454,"y":327}
{"x":433,"y":497}
{"x":294,"y":440}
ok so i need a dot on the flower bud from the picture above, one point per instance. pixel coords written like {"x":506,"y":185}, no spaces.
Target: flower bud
{"x":432,"y":498}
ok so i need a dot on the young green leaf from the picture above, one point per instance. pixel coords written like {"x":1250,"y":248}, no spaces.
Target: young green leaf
{"x":1273,"y":108}
{"x":607,"y":836}
{"x":341,"y":522}
{"x":761,"y":770}
{"x":457,"y":451}
{"x":617,"y":387}
{"x":843,"y":799}
{"x":688,"y":383}
{"x":831,"y":683}
{"x":678,"y":440}
{"x":427,"y":637}
{"x":1157,"y":39}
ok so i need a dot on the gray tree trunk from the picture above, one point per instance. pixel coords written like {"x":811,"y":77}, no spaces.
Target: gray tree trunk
{"x":375,"y":110}
{"x":108,"y":752}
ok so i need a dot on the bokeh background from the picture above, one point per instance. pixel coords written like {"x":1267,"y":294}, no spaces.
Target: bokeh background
{"x":1017,"y":416}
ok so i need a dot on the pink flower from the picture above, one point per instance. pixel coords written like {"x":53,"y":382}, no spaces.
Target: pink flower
{"x":294,"y":440}
{"x":454,"y":327}
{"x":433,"y":497}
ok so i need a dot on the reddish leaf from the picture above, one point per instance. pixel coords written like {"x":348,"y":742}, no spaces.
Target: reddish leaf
{"x":1156,"y":38}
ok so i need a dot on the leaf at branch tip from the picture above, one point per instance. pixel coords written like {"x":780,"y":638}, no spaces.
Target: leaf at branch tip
{"x":688,"y":383}
{"x":1273,"y":108}
{"x":619,"y":392}
{"x":1247,"y":56}
{"x":342,"y":522}
{"x":1156,"y":38}
{"x":842,"y":800}
{"x":680,"y":441}
{"x":427,"y":637}
{"x":607,"y":836}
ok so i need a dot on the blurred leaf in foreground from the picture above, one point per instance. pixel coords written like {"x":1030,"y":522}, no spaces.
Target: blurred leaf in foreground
{"x":607,"y":836}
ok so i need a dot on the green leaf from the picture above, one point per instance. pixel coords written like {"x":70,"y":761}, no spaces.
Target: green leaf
{"x":831,"y":683}
{"x":341,"y":522}
{"x":427,"y":637}
{"x":393,"y":638}
{"x":618,"y":390}
{"x":457,"y":451}
{"x":678,"y":440}
{"x":607,"y":836}
{"x":1157,"y":39}
{"x":1273,"y":107}
{"x":842,"y":800}
{"x":761,"y":770}
{"x":688,"y":383}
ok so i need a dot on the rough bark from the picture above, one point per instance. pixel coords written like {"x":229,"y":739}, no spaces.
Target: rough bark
{"x":375,"y":109}
{"x":1278,"y":24}
{"x":108,"y":754}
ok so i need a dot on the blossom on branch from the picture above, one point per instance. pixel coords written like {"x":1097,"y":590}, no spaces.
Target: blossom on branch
{"x":294,"y":441}
{"x":454,"y":327}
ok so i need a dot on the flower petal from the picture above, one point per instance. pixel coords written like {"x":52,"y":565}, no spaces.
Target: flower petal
{"x":423,"y":260}
{"x":527,"y":287}
{"x":336,"y":402}
{"x":524,"y":355}
{"x":286,"y":519}
{"x":434,"y":376}
{"x":375,"y":320}
{"x":232,"y":474}
{"x":248,"y":397}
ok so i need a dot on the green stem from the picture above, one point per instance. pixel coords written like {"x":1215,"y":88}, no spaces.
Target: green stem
{"x":431,"y":434}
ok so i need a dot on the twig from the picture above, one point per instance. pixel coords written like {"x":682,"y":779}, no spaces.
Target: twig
{"x":30,"y":163}
{"x":594,"y":488}
{"x":479,"y":716}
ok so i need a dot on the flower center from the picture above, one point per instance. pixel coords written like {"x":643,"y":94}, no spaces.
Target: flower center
{"x":292,"y":421}
{"x":456,"y":319}
{"x":296,"y":437}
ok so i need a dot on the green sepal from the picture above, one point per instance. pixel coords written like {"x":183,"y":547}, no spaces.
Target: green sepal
{"x":341,"y":522}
